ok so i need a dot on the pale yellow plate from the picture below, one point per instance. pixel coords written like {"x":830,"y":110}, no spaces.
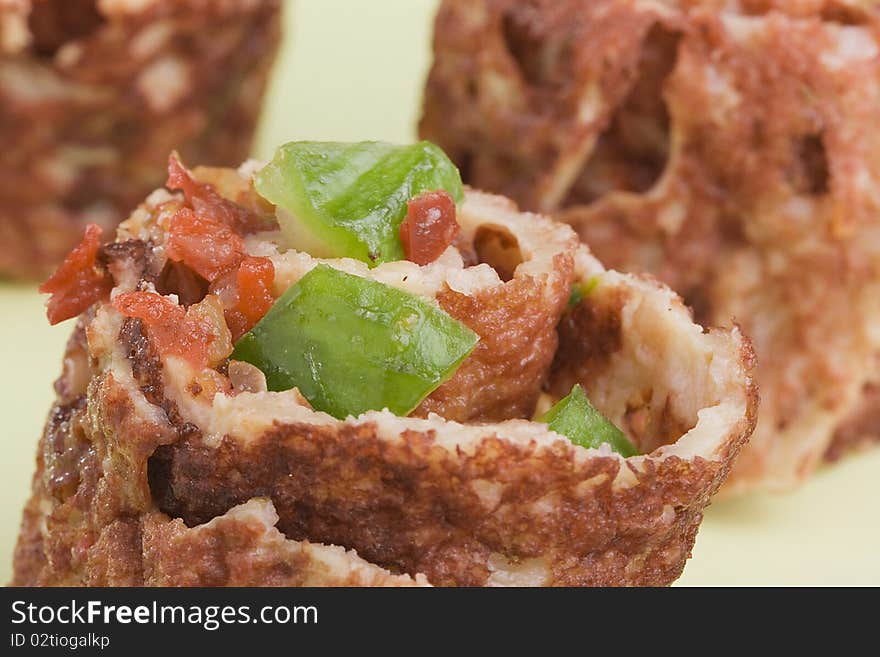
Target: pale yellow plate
{"x":353,"y":70}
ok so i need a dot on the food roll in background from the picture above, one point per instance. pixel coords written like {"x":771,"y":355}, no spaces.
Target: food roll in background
{"x":162,"y":441}
{"x":730,"y":148}
{"x":94,"y":94}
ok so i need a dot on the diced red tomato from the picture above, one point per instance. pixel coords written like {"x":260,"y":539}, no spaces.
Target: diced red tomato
{"x":204,"y":238}
{"x":79,"y":282}
{"x":246,"y":294}
{"x":206,"y":246}
{"x":179,"y":178}
{"x":429,"y":228}
{"x":196,"y":334}
{"x":255,"y":278}
{"x":164,"y":320}
{"x":207,"y":203}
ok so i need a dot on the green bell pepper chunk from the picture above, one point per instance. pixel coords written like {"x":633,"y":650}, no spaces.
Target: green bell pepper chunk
{"x":579,"y":291}
{"x":578,"y":420}
{"x":352,"y":345}
{"x":348,"y":200}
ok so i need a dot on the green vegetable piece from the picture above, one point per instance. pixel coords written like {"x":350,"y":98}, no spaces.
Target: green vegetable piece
{"x":579,"y":291}
{"x":577,"y":419}
{"x":351,"y":344}
{"x":348,"y":200}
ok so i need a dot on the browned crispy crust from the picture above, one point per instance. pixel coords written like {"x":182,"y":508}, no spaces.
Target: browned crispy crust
{"x":135,"y":485}
{"x":507,"y":370}
{"x":404,"y":505}
{"x":504,"y":376}
{"x":93,"y":97}
{"x":240,"y":548}
{"x":732,"y":153}
{"x":104,"y":530}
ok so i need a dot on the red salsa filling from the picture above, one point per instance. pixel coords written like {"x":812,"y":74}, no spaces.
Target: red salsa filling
{"x":203,"y":244}
{"x":206,"y":238}
{"x":175,"y":331}
{"x":429,"y":228}
{"x":246,"y":294}
{"x":207,"y":203}
{"x":79,"y":282}
{"x":164,"y":320}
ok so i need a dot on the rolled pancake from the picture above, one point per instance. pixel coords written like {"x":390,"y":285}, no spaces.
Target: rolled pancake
{"x":141,"y":459}
{"x":94,"y":94}
{"x":730,"y":149}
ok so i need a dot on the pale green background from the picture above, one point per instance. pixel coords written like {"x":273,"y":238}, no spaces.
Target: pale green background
{"x":353,"y":69}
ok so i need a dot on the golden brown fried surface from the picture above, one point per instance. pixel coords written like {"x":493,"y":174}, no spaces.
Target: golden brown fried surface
{"x":731,"y":149}
{"x":95,"y":94}
{"x":142,"y":478}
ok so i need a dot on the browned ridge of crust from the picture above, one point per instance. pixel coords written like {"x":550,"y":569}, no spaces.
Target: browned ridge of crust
{"x":143,"y":479}
{"x":93,"y":97}
{"x":518,"y":340}
{"x":730,"y":149}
